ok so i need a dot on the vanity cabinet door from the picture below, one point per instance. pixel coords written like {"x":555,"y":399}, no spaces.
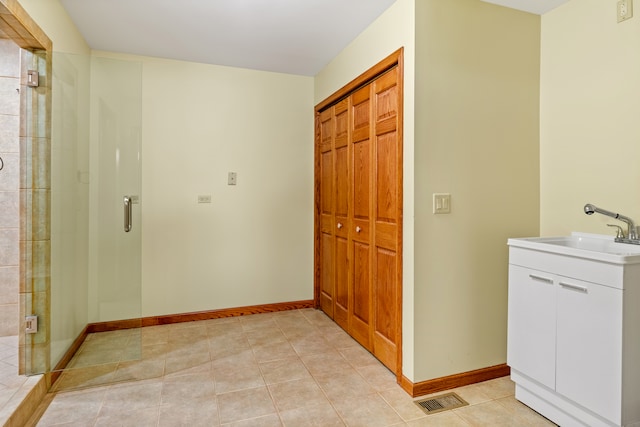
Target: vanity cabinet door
{"x":531,"y":346}
{"x":589,"y":360}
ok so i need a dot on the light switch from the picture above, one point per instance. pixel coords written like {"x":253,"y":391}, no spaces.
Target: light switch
{"x":441,"y":203}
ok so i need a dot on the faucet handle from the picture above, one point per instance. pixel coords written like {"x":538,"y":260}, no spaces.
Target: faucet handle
{"x":619,"y":231}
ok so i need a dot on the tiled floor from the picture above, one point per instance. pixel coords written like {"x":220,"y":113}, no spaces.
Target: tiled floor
{"x":13,"y":387}
{"x":294,"y":368}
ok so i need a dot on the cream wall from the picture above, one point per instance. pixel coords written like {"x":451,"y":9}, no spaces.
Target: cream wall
{"x":590,"y":110}
{"x":254,"y":243}
{"x":392,"y":30}
{"x":477,"y":74}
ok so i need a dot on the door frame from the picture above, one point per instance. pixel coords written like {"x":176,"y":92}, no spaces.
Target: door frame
{"x":395,"y":59}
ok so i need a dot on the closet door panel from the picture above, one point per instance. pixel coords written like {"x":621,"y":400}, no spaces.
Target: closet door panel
{"x":361,"y":306}
{"x":386,"y":179}
{"x":341,"y":176}
{"x":388,"y":202}
{"x":362,"y":179}
{"x":327,"y":217}
{"x":385,"y":325}
{"x":341,"y":309}
{"x":327,"y":275}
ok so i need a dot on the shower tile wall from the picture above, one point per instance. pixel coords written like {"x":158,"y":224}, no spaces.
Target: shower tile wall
{"x":9,"y":187}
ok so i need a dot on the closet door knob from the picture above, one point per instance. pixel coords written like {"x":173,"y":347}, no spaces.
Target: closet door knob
{"x":339,"y":225}
{"x":358,"y":229}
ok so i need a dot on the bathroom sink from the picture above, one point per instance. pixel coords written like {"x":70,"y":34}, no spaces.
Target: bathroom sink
{"x":583,"y":245}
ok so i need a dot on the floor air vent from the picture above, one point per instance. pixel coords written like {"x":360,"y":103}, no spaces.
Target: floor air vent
{"x":444,"y":402}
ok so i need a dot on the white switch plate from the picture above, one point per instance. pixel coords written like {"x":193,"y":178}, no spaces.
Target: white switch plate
{"x":204,"y":198}
{"x":441,"y":203}
{"x":233,"y":178}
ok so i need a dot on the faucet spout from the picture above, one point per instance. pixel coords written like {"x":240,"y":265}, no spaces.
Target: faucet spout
{"x":632,"y":231}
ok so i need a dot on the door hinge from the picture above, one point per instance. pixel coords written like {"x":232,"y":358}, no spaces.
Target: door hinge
{"x":31,"y":326}
{"x":32,"y":78}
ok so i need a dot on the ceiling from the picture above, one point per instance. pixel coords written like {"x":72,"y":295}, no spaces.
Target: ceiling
{"x":539,"y":7}
{"x":286,"y":36}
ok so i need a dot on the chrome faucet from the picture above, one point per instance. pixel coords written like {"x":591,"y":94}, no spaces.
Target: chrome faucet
{"x":632,"y":230}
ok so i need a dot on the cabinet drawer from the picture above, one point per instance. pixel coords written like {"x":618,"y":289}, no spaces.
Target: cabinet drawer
{"x":582,"y":269}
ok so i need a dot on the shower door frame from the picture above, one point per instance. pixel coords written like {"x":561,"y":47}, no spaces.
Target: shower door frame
{"x":35,"y":186}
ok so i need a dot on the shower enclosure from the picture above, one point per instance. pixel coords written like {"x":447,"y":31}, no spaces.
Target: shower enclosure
{"x":95,"y":262}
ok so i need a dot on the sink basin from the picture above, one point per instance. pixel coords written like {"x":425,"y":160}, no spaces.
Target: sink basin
{"x":583,"y":245}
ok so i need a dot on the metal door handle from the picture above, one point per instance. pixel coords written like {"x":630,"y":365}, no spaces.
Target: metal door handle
{"x":574,"y":287}
{"x":339,"y":225}
{"x":540,"y":278}
{"x":358,"y":229}
{"x":127,"y":214}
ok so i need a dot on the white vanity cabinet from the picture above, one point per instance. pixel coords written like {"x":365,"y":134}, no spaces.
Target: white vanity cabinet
{"x":574,"y":334}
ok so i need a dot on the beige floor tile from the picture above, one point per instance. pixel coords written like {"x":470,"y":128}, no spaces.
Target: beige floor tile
{"x":497,"y":388}
{"x":367,"y":411}
{"x":326,"y":363}
{"x":266,"y":421}
{"x":85,"y":377}
{"x":274,"y":351}
{"x":358,"y":357}
{"x":526,"y":414}
{"x":347,"y":384}
{"x":297,"y":394}
{"x":310,"y":344}
{"x":402,"y":403}
{"x":147,"y":417}
{"x":187,"y":390}
{"x":204,"y":414}
{"x":139,"y":370}
{"x":341,"y":339}
{"x":262,"y":337}
{"x":187,"y":363}
{"x":489,"y":413}
{"x":222,"y":346}
{"x":73,"y":407}
{"x":322,"y":415}
{"x":258,"y":322}
{"x":378,"y":376}
{"x":134,"y":396}
{"x":245,"y":404}
{"x":242,"y":376}
{"x":440,"y":419}
{"x":278,"y":371}
{"x":472,"y":394}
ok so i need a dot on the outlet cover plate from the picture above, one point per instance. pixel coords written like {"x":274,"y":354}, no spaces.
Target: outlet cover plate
{"x":624,"y":10}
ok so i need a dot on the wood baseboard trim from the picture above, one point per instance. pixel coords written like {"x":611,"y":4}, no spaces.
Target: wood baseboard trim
{"x":201,"y":315}
{"x":453,"y":381}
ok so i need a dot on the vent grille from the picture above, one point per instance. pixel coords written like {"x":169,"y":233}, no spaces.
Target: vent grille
{"x":444,"y":402}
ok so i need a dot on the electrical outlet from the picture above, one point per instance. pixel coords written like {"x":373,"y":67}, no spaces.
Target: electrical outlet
{"x":204,"y":198}
{"x":625,"y":10}
{"x":232,"y":179}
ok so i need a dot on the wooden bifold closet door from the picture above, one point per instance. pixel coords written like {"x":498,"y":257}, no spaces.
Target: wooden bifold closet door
{"x":359,"y":210}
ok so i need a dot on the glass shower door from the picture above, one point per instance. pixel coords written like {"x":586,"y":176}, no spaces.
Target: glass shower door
{"x":112,"y":348}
